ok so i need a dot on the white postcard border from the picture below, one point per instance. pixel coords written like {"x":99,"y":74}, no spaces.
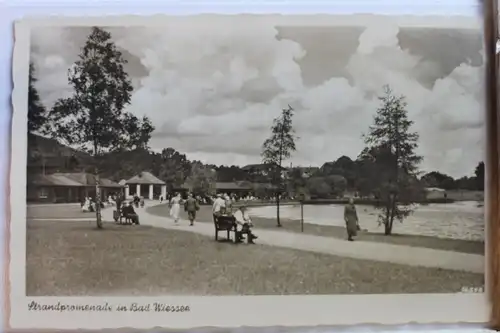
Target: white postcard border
{"x":233,"y":311}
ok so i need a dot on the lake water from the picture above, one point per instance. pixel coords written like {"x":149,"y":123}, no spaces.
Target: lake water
{"x":459,"y":220}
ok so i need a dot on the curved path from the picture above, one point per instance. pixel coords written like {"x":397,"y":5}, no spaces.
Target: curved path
{"x":397,"y":254}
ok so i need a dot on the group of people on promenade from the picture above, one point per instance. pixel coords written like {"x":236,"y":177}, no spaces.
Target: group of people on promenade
{"x":222,"y":206}
{"x":243,"y":222}
{"x":89,"y":205}
{"x":191,"y":206}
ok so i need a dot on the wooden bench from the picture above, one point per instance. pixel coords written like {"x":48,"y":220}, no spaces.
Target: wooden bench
{"x":123,"y":216}
{"x":128,"y":219}
{"x":227,"y":223}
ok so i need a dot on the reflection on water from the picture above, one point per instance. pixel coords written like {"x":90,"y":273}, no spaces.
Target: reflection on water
{"x":459,"y":220}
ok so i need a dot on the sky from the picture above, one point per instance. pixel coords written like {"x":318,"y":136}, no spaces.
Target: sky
{"x":212,"y":87}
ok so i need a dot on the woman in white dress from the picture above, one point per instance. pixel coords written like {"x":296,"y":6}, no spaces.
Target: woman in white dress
{"x":175,"y":207}
{"x":86,"y":205}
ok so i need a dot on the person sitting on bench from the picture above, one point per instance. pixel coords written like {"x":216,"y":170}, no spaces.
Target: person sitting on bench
{"x":243,"y":225}
{"x":129,"y":212}
{"x":218,"y":208}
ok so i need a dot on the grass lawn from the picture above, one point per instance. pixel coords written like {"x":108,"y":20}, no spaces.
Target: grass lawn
{"x":205,"y":215}
{"x":73,"y":258}
{"x":57,"y":211}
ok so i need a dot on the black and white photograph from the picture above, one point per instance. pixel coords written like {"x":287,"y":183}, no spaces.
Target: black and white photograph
{"x":253,"y":155}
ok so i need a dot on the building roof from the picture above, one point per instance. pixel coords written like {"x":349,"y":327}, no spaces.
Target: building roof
{"x":71,"y":180}
{"x":261,"y":166}
{"x":145,"y":178}
{"x":55,"y":180}
{"x":434,"y":189}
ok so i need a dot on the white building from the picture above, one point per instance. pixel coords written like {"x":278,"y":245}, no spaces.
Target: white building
{"x":145,"y":185}
{"x":435,"y":193}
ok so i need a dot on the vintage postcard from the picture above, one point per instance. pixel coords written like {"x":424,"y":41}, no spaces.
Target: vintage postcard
{"x":247,"y":170}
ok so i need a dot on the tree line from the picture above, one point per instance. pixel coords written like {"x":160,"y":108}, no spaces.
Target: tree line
{"x":115,"y":143}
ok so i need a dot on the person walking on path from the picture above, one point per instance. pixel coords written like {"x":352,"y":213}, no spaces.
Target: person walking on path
{"x":351,"y":219}
{"x":191,"y":206}
{"x":175,"y":207}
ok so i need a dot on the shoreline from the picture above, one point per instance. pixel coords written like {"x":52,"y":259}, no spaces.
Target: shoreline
{"x":204,"y":215}
{"x":362,"y":202}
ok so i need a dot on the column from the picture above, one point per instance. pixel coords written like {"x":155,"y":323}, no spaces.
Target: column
{"x":164,"y":192}
{"x":127,"y":191}
{"x":151,"y":192}
{"x":138,"y":190}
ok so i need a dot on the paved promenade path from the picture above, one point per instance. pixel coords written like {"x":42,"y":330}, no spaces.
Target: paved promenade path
{"x":398,"y":254}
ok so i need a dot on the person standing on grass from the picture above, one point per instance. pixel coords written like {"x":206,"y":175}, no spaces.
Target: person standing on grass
{"x":175,"y":207}
{"x":191,"y":207}
{"x":351,"y":220}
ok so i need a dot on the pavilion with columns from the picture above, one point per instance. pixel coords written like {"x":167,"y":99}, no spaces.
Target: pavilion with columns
{"x":145,"y":185}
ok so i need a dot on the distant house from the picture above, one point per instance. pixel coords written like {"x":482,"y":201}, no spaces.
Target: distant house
{"x":258,"y":168}
{"x":240,"y":188}
{"x":307,"y":172}
{"x":67,"y":187}
{"x":261,"y":170}
{"x":145,"y":185}
{"x":435,"y":193}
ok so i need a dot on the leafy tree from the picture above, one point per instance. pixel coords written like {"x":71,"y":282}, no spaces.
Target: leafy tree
{"x":318,"y":188}
{"x":479,"y":172}
{"x":230,"y":173}
{"x":138,"y":132}
{"x":337,"y":183}
{"x":467,"y":183}
{"x":174,"y":168}
{"x":371,"y":168}
{"x":202,"y":179}
{"x":36,"y":111}
{"x":94,"y":119}
{"x":297,"y":182}
{"x":397,"y":159}
{"x":111,"y":164}
{"x":344,"y":167}
{"x":277,"y":148}
{"x":440,"y":180}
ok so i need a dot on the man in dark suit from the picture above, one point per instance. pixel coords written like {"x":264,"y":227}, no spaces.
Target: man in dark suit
{"x":129,"y":212}
{"x":191,"y":207}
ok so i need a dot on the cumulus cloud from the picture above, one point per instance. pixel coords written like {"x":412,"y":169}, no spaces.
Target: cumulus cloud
{"x":212,"y":90}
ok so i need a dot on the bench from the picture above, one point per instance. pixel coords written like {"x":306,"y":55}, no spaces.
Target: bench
{"x":225,"y":223}
{"x":123,"y":216}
